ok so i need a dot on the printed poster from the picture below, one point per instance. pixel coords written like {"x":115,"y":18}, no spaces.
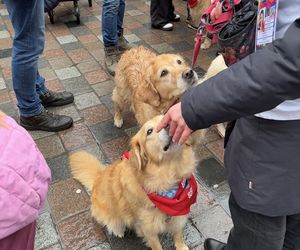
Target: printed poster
{"x":266,"y":22}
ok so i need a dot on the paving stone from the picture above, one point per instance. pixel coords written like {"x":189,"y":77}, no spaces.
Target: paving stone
{"x":104,"y":88}
{"x":64,"y":201}
{"x":59,"y":168}
{"x":86,"y":100}
{"x":205,"y":201}
{"x":54,"y":85}
{"x":76,"y":136}
{"x":58,"y":63}
{"x":4,"y":96}
{"x":115,"y":148}
{"x":210,"y":172}
{"x":5,"y":53}
{"x":50,"y":146}
{"x":106,"y":131}
{"x":38,"y":134}
{"x":181,"y":46}
{"x":101,"y":246}
{"x":134,"y":12}
{"x":211,"y":135}
{"x":76,"y":85}
{"x":72,"y":46}
{"x":214,"y":223}
{"x":140,"y":31}
{"x":48,"y":74}
{"x":96,"y":76}
{"x":66,"y":73}
{"x":221,"y":193}
{"x":87,"y":38}
{"x":107,"y":101}
{"x":217,"y":148}
{"x":96,"y":114}
{"x":132,"y":131}
{"x":162,"y":48}
{"x":132,"y":38}
{"x":4,"y":34}
{"x":2,"y":83}
{"x":4,"y":12}
{"x":54,"y":53}
{"x":93,"y":150}
{"x":88,"y":66}
{"x":45,"y":232}
{"x":79,"y":55}
{"x":79,"y":31}
{"x":80,"y":232}
{"x":43,"y":63}
{"x":68,"y":110}
{"x":54,"y":247}
{"x":202,"y":153}
{"x":66,"y":39}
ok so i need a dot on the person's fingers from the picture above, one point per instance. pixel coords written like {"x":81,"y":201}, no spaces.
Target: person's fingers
{"x":173,"y":126}
{"x":164,"y":122}
{"x":184,"y":136}
{"x":177,"y":133}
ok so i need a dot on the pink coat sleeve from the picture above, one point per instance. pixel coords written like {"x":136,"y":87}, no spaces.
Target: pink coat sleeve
{"x":24,"y":178}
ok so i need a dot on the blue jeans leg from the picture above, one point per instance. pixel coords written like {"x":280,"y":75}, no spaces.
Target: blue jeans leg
{"x":40,"y":85}
{"x":27,"y":18}
{"x":112,"y":21}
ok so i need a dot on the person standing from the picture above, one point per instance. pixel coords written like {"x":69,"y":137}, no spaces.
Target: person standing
{"x":162,"y":14}
{"x":262,"y":93}
{"x":112,"y":31}
{"x":27,"y":18}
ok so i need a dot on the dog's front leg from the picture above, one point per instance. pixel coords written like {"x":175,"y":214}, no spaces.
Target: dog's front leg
{"x":153,"y":241}
{"x":178,"y":240}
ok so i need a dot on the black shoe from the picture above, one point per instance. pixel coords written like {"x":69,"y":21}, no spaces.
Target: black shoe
{"x":212,"y":244}
{"x":166,"y":27}
{"x":46,"y":121}
{"x":53,"y":99}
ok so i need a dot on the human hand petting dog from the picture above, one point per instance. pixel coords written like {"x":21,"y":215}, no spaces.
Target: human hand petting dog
{"x":177,"y":126}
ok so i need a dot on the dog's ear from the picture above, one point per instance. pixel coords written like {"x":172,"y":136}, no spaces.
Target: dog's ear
{"x":146,"y":91}
{"x":139,"y":153}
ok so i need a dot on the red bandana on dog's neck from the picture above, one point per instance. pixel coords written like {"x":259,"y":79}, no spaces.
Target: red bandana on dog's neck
{"x":192,"y":3}
{"x":180,"y":204}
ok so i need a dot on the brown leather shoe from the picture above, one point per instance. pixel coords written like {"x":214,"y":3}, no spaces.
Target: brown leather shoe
{"x":52,"y":99}
{"x":212,"y":244}
{"x":46,"y":121}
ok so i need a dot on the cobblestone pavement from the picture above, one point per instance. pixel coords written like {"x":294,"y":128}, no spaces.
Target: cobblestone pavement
{"x":73,"y":61}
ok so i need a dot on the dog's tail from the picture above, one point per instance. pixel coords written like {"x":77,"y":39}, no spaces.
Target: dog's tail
{"x":85,"y":168}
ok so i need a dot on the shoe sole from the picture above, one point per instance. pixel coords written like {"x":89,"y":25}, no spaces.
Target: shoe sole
{"x":163,"y":29}
{"x":66,"y":126}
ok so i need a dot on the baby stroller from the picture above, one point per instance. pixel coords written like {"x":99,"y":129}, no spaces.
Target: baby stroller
{"x":51,"y":4}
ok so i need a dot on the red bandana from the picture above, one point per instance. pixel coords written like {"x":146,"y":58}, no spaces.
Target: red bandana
{"x":182,"y":201}
{"x":192,"y":3}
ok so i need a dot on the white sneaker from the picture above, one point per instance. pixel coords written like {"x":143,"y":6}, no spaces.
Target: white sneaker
{"x":167,"y":27}
{"x":176,"y":18}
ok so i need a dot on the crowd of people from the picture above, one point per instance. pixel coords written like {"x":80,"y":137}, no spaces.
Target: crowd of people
{"x":261,"y":92}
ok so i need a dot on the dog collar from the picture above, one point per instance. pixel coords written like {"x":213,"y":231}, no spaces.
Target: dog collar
{"x":192,"y":3}
{"x":176,"y":201}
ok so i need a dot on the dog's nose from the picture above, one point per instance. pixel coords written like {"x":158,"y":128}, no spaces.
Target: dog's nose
{"x":188,"y":74}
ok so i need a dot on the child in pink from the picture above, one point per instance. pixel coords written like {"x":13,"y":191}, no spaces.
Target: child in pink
{"x":24,"y":180}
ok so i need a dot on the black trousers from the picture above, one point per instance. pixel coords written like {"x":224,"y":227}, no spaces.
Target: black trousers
{"x":162,"y":12}
{"x":252,"y":231}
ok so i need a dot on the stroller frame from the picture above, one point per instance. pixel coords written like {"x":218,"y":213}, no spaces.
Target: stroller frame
{"x":76,"y":10}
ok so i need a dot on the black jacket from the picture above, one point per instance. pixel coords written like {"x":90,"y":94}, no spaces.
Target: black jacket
{"x":263,"y":156}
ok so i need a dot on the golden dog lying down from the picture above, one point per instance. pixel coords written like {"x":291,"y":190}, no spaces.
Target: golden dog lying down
{"x":149,"y":83}
{"x":121,"y":191}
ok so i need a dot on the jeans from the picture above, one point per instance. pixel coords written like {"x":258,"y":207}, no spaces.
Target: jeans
{"x":112,"y":21}
{"x":253,"y":231}
{"x":27,"y":18}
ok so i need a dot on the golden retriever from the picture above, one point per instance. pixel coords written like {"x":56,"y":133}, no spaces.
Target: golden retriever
{"x":150,"y":84}
{"x":119,"y":197}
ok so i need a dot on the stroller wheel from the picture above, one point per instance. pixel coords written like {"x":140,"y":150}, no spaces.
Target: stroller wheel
{"x":76,"y":11}
{"x":51,"y":16}
{"x":90,"y":3}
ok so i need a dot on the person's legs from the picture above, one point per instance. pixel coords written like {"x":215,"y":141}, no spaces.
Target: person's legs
{"x":23,"y":239}
{"x":121,"y":12}
{"x":252,"y":231}
{"x":159,"y":11}
{"x":27,"y":18}
{"x":292,"y":235}
{"x":40,"y":85}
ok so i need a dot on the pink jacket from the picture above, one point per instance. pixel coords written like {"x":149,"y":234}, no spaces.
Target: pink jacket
{"x":24,"y":178}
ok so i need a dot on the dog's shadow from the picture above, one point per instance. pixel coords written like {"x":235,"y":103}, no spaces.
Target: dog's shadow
{"x":132,"y":242}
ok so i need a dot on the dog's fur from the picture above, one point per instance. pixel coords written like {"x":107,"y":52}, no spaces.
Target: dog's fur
{"x":118,"y":198}
{"x":150,"y":84}
{"x":196,"y":14}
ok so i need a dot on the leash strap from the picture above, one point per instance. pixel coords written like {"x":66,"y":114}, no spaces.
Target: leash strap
{"x":197,"y":45}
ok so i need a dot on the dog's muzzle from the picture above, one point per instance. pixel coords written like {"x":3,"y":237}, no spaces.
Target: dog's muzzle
{"x":190,"y":76}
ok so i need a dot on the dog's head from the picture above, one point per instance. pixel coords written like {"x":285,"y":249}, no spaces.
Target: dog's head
{"x":151,"y":146}
{"x":167,"y":78}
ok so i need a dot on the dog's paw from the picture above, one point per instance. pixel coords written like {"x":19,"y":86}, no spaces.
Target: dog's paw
{"x":182,"y":248}
{"x":118,"y":123}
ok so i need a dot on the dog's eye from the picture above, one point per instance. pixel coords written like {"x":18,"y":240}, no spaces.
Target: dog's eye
{"x":179,"y":61}
{"x":149,"y":131}
{"x":163,"y":73}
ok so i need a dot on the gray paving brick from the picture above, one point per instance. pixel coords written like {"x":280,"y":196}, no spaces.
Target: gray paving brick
{"x":102,"y":246}
{"x":221,"y":193}
{"x":2,"y":84}
{"x":162,"y":48}
{"x":66,"y":73}
{"x":46,"y":234}
{"x":76,"y":85}
{"x":59,"y":167}
{"x":214,"y":223}
{"x":86,"y":100}
{"x":68,"y":110}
